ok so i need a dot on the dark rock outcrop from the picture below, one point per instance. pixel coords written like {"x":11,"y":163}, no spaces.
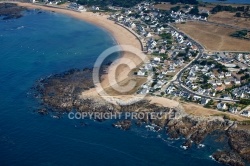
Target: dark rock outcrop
{"x":43,"y":111}
{"x":62,"y":93}
{"x":10,"y":10}
{"x":187,"y":143}
{"x":195,"y":128}
{"x":228,"y":158}
{"x":239,"y":141}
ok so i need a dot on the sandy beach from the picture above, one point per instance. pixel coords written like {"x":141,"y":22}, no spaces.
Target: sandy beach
{"x":123,"y":73}
{"x":122,"y":37}
{"x":119,"y":33}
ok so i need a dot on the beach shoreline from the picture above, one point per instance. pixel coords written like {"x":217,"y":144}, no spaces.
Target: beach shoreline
{"x":121,"y":35}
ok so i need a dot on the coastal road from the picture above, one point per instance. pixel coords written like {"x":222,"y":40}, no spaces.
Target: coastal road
{"x":178,"y":75}
{"x":200,"y":48}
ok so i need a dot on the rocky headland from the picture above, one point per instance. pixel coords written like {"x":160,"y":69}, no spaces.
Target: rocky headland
{"x":11,"y":11}
{"x":62,"y":93}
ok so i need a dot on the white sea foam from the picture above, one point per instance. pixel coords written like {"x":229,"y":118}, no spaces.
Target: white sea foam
{"x":211,"y":157}
{"x":21,"y":27}
{"x":201,"y":146}
{"x":184,"y":147}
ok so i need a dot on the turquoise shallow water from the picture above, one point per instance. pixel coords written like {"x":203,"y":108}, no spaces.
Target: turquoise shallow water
{"x":38,"y":45}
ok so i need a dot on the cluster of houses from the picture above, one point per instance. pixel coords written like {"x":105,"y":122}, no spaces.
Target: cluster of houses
{"x":158,"y":39}
{"x":77,"y":7}
{"x":225,"y":107}
{"x":149,"y":23}
{"x":217,"y":80}
{"x":180,"y":17}
{"x":161,"y":69}
{"x":149,"y":69}
{"x":171,"y":51}
{"x":222,"y":106}
{"x":245,"y":113}
{"x":194,"y":80}
{"x":243,"y":58}
{"x":233,"y":109}
{"x":241,"y":92}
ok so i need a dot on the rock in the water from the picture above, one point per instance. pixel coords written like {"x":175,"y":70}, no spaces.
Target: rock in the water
{"x":187,"y":143}
{"x":123,"y":124}
{"x":43,"y":111}
{"x":10,"y":10}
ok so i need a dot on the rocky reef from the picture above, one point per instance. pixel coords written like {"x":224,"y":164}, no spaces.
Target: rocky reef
{"x":239,"y":141}
{"x":123,"y":124}
{"x":228,"y":158}
{"x":62,"y":93}
{"x":195,"y":128}
{"x":10,"y":11}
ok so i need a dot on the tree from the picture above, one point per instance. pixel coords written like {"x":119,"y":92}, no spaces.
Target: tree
{"x":247,"y":9}
{"x":194,"y":11}
{"x":238,"y":14}
{"x":173,"y":2}
{"x":204,"y":14}
{"x":245,"y":77}
{"x":175,"y":9}
{"x":205,"y":79}
{"x":245,"y":101}
{"x":166,"y":36}
{"x":186,"y":7}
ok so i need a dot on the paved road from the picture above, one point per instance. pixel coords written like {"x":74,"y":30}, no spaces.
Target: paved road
{"x":201,"y":49}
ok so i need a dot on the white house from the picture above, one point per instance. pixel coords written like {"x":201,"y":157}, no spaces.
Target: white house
{"x":141,"y":72}
{"x":227,"y":81}
{"x":233,"y":110}
{"x":204,"y":101}
{"x":95,"y":8}
{"x":221,"y":106}
{"x":237,"y":82}
{"x":221,"y":75}
{"x":197,"y":97}
{"x":128,"y":12}
{"x":245,"y":113}
{"x":120,"y":18}
{"x":82,"y":9}
{"x":158,"y":85}
{"x":219,"y":83}
{"x":152,"y":43}
{"x":212,"y":82}
{"x":194,"y":87}
{"x":170,"y":89}
{"x":149,"y":35}
{"x":148,"y":66}
{"x":144,"y":90}
{"x":157,"y":59}
{"x":132,"y":25}
{"x":228,"y":74}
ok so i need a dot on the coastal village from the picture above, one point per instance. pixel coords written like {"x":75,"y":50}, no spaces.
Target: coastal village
{"x":180,"y":68}
{"x":185,"y":90}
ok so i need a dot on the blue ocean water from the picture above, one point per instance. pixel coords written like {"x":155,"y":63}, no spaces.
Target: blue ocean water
{"x":229,"y":1}
{"x":38,"y":45}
